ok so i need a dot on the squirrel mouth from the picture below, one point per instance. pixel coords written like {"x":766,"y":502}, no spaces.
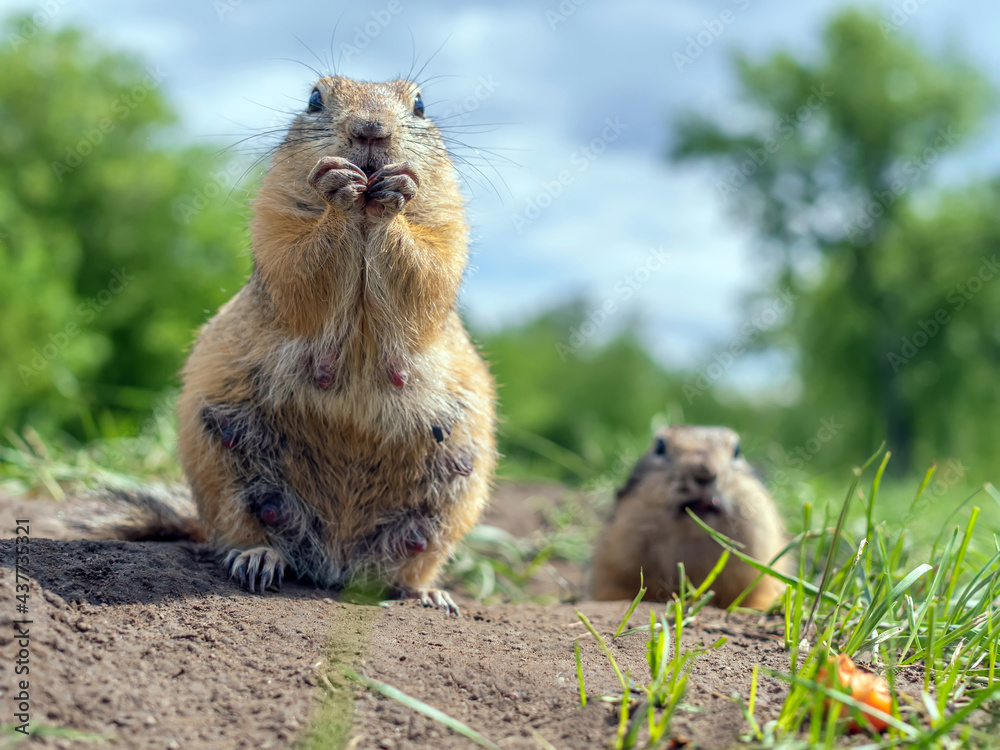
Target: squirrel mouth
{"x":369,"y":161}
{"x":702,"y":506}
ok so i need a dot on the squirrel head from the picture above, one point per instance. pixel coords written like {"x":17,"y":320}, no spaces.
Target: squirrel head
{"x":696,"y":468}
{"x":372,"y":125}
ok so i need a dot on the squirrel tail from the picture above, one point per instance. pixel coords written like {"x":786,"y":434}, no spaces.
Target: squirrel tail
{"x":145,"y":514}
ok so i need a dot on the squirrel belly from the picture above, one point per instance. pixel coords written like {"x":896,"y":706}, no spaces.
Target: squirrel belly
{"x":361,"y":477}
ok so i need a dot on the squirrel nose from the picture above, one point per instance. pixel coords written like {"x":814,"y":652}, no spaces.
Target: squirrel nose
{"x":703,"y":474}
{"x":368,"y":131}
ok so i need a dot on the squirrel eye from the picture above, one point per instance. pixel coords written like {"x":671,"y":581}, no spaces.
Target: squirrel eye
{"x":660,"y":447}
{"x":737,"y":451}
{"x":315,"y":101}
{"x":418,"y":106}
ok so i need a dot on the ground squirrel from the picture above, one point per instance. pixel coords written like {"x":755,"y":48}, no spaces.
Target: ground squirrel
{"x":700,"y":468}
{"x":335,"y":418}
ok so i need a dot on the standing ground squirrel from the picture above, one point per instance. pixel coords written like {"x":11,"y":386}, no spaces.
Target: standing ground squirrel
{"x":700,"y":468}
{"x":335,"y":418}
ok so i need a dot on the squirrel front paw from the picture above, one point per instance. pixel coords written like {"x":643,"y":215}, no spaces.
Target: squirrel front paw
{"x":339,"y":182}
{"x":390,"y":189}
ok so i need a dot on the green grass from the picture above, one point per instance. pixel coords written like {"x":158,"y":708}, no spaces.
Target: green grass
{"x":10,"y":738}
{"x":492,"y":566}
{"x":646,"y":711}
{"x":31,"y":465}
{"x":333,"y":717}
{"x":870,"y":587}
{"x":864,"y":587}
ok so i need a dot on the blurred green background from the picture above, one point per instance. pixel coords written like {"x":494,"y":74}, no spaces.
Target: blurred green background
{"x":115,"y":249}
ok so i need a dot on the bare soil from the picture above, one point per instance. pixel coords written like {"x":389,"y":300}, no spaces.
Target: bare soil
{"x":149,"y":646}
{"x":509,"y":672}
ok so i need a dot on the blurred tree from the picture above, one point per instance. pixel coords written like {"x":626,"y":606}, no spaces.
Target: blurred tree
{"x":587,"y":413}
{"x":114,"y":245}
{"x":830,"y":160}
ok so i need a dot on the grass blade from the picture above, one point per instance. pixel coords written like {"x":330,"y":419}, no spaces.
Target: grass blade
{"x":631,"y":609}
{"x":427,"y":710}
{"x":602,"y":644}
{"x":730,"y":545}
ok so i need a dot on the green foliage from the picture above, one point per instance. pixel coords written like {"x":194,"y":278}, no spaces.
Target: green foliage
{"x":111,"y":254}
{"x":594,"y":403}
{"x":586,"y":414}
{"x":832,"y":166}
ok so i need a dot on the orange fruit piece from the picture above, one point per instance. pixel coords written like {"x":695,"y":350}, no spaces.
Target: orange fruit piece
{"x":866,"y":688}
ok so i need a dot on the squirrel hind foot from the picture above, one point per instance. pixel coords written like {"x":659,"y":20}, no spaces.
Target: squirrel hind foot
{"x":258,"y":569}
{"x":439,"y":598}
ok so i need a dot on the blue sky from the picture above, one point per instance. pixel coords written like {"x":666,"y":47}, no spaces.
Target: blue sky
{"x":574,"y":98}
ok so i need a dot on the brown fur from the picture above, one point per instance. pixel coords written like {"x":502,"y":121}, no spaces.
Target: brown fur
{"x":348,"y":293}
{"x":651,"y":531}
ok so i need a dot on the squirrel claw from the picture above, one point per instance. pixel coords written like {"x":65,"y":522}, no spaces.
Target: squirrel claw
{"x":437,"y":598}
{"x":391,"y":188}
{"x":259,"y":569}
{"x":428,"y":598}
{"x":339,"y":183}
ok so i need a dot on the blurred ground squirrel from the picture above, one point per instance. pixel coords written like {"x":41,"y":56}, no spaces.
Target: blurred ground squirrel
{"x":700,"y":468}
{"x":335,"y":418}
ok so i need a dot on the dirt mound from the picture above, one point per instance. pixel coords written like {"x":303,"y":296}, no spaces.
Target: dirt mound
{"x":149,"y":644}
